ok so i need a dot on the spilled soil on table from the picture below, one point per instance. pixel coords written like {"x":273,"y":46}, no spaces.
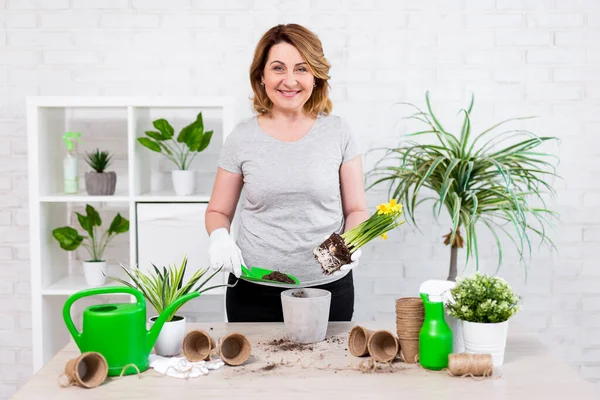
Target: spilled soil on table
{"x":276,"y":345}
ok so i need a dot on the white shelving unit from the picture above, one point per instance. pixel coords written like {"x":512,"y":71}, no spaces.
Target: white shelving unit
{"x":108,"y":123}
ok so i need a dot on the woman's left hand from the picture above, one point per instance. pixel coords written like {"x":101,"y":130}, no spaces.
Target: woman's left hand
{"x":349,"y":267}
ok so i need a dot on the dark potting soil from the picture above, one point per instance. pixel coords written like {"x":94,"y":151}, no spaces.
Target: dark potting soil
{"x":278,"y":277}
{"x":332,"y":254}
{"x":269,"y":367}
{"x":336,"y":340}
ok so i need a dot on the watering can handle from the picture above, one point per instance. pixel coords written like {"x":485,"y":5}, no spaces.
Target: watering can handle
{"x":92,"y":292}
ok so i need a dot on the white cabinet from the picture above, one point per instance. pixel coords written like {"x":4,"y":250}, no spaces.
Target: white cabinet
{"x":168,"y":229}
{"x":163,"y":227}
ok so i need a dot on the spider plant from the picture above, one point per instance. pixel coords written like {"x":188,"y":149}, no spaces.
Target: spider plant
{"x":161,"y":288}
{"x":486,"y":178}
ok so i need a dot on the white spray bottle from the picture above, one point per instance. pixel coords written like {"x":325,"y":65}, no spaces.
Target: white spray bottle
{"x":70,"y":163}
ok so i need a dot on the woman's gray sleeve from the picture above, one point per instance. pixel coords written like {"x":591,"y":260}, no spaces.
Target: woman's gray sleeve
{"x":350,"y":147}
{"x":228,"y":159}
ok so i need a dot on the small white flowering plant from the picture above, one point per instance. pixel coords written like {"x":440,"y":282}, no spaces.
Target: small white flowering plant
{"x":483,"y":298}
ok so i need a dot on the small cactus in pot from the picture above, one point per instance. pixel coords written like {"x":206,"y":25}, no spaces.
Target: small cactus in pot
{"x":99,"y":182}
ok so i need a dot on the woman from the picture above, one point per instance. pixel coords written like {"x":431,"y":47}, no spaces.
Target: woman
{"x":302,"y":175}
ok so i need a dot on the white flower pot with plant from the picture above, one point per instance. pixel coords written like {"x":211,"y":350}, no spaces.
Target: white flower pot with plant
{"x":484,"y":305}
{"x":95,"y":272}
{"x":99,"y":182}
{"x":184,"y":182}
{"x":95,"y":242}
{"x":161,"y":287}
{"x":481,"y":179}
{"x":182,"y":150}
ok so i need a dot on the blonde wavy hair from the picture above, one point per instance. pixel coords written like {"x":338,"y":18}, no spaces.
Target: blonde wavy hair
{"x":309,"y":46}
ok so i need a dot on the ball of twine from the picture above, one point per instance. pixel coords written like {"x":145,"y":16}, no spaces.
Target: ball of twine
{"x":470,"y":365}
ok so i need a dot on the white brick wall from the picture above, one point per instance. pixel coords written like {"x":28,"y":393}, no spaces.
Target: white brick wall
{"x":519,"y":57}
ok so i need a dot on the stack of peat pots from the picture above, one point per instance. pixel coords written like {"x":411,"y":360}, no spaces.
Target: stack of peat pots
{"x":410,"y":314}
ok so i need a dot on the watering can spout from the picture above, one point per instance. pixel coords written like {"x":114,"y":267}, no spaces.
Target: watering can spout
{"x":162,"y":318}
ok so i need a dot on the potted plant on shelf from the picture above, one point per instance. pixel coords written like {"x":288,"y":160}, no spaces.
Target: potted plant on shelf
{"x":95,"y":242}
{"x":161,"y":289}
{"x":484,"y":305}
{"x":180,"y":150}
{"x":99,"y":182}
{"x":486,"y":178}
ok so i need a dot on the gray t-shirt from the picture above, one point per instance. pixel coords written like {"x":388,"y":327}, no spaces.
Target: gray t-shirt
{"x":291,"y":194}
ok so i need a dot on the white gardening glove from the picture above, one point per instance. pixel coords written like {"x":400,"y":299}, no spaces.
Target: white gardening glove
{"x":224,"y":252}
{"x":348,"y":267}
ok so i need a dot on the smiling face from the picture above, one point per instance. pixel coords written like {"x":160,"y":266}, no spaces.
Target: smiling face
{"x":287,"y":79}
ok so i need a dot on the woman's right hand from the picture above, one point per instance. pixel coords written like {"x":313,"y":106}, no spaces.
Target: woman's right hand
{"x":224,"y":252}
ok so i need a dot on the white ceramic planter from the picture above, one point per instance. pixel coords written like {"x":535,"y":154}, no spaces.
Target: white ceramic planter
{"x":306,"y":318}
{"x":92,"y":270}
{"x":184,"y":182}
{"x":458,"y":345}
{"x":480,"y":338}
{"x":170,"y":337}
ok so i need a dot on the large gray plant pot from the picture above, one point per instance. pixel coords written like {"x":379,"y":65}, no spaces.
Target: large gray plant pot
{"x":100,"y":183}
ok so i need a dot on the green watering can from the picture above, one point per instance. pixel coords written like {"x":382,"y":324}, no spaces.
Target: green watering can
{"x":118,"y":331}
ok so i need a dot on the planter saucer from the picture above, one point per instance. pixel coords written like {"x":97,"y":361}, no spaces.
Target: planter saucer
{"x":255,"y":274}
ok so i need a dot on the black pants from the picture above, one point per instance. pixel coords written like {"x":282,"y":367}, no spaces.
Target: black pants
{"x":251,"y":302}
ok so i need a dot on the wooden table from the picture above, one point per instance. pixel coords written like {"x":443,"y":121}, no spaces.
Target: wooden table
{"x":328,"y":371}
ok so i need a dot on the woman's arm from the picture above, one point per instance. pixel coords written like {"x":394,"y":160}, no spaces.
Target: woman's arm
{"x":223,"y":200}
{"x":354,"y":202}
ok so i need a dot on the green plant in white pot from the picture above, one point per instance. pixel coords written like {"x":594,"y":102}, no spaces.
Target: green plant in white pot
{"x":491,"y":179}
{"x":484,"y":304}
{"x":180,"y":150}
{"x":95,"y":242}
{"x":163,"y":286}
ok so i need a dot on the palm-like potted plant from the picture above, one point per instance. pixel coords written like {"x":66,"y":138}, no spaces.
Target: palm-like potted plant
{"x":100,"y":182}
{"x":95,"y":242}
{"x":163,"y":287}
{"x":483,"y":304}
{"x":180,"y":150}
{"x":478,"y":178}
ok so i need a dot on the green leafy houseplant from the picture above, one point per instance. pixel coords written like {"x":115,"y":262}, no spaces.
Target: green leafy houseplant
{"x":99,"y":182}
{"x":95,"y":241}
{"x":483,"y":298}
{"x":478,"y":178}
{"x":162,"y":288}
{"x":180,"y":150}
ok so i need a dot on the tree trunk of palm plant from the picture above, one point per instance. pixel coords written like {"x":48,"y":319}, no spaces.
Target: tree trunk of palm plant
{"x":453,"y":257}
{"x":456,"y":243}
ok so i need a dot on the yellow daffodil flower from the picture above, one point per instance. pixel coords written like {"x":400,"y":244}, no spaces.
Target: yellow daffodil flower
{"x":389,"y":208}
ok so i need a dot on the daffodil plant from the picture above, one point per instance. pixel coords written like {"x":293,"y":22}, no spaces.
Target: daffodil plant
{"x":337,"y":250}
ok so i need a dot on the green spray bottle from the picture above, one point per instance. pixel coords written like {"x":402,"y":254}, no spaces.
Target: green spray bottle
{"x":70,"y":163}
{"x":435,"y":337}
